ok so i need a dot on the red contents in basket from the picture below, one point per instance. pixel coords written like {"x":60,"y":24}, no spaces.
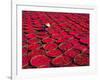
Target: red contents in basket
{"x":48,"y":40}
{"x":81,"y":59}
{"x":65,"y":46}
{"x":30,"y":36}
{"x":40,"y":60}
{"x":24,"y":61}
{"x":72,"y":53}
{"x":33,"y":46}
{"x":54,"y":39}
{"x":54,"y":53}
{"x":61,"y":61}
{"x":35,"y":52}
{"x":50,"y":46}
{"x":33,"y":41}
